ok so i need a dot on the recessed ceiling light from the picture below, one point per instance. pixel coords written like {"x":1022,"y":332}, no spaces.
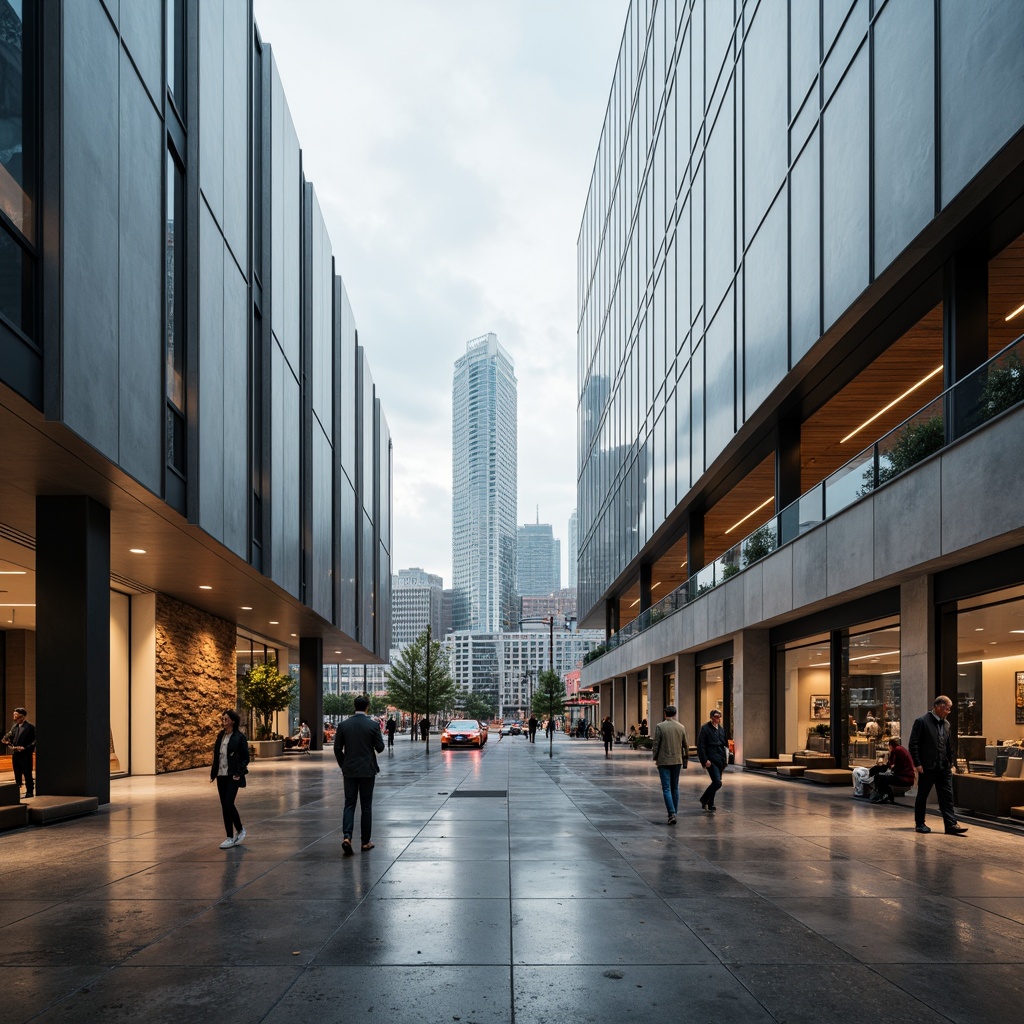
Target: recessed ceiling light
{"x":274,"y":622}
{"x":203,"y":586}
{"x":1017,"y":630}
{"x":979,"y":629}
{"x":14,"y":572}
{"x":337,"y":652}
{"x":294,"y":634}
{"x":137,"y":551}
{"x":1019,"y":309}
{"x":246,"y":607}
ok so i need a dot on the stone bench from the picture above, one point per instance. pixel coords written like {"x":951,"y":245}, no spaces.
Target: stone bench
{"x":1017,"y":812}
{"x":763,"y":763}
{"x":42,"y":810}
{"x":10,"y":793}
{"x":988,"y":794}
{"x":830,"y":776}
{"x":791,"y":771}
{"x":815,"y":760}
{"x":13,"y":816}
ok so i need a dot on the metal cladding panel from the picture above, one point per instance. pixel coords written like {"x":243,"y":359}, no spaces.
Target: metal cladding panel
{"x":237,"y":43}
{"x":211,"y":107}
{"x":211,"y":373}
{"x":89,"y":260}
{"x":142,"y":35}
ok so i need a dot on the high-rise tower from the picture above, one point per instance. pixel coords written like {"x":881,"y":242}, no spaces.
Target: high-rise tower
{"x":538,"y":560}
{"x":484,"y":480}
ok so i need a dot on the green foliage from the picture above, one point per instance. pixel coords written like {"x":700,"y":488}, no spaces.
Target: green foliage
{"x":1004,"y":386}
{"x":597,"y":652}
{"x":339,"y":704}
{"x":265,"y":691}
{"x":760,"y":543}
{"x":481,"y":706}
{"x":638,"y":742}
{"x":407,"y":679}
{"x":729,"y":570}
{"x":549,"y":696}
{"x":915,"y":442}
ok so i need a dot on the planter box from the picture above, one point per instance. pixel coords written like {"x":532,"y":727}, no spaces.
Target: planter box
{"x":267,"y":748}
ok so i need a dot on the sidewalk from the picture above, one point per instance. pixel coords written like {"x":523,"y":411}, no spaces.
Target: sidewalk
{"x":508,"y":887}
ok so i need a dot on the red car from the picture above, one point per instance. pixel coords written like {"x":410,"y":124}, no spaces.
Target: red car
{"x":463,"y":733}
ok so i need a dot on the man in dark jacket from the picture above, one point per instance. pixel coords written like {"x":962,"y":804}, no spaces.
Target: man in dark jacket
{"x":356,"y":745}
{"x":22,"y":741}
{"x":933,"y":751}
{"x":713,"y":754}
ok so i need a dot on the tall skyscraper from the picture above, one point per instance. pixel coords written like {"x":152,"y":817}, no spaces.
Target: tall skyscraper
{"x":574,"y":546}
{"x":484,"y":479}
{"x":538,"y":560}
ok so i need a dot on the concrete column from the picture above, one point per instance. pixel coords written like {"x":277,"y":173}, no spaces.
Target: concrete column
{"x":20,"y":673}
{"x":656,"y":694}
{"x":73,"y":646}
{"x":751,"y":662}
{"x":645,"y":586}
{"x":918,"y":670}
{"x":311,"y":687}
{"x":632,"y":701}
{"x":686,"y":695}
{"x":143,"y":684}
{"x":619,"y":704}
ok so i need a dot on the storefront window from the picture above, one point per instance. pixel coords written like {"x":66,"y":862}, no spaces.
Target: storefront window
{"x":803,"y":696}
{"x":870,"y":691}
{"x":990,"y":671}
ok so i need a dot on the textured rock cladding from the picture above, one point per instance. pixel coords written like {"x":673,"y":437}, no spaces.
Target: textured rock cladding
{"x":195,"y":681}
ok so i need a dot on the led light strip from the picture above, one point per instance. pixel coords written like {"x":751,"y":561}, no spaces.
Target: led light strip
{"x":894,"y":402}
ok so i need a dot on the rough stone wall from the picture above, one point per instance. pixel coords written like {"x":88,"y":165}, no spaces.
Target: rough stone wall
{"x":195,"y":682}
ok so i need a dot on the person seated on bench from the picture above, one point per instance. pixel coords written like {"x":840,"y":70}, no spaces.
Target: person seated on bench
{"x":899,"y":773}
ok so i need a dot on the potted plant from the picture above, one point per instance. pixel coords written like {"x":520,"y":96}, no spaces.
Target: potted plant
{"x":265,"y":692}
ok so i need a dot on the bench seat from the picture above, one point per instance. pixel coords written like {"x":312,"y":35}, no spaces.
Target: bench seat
{"x":42,"y":810}
{"x":829,"y":776}
{"x":988,"y":794}
{"x":815,"y":760}
{"x":764,"y":763}
{"x":13,"y":816}
{"x":791,"y":771}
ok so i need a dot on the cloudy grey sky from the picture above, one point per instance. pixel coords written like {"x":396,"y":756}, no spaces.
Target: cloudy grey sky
{"x":451,"y":144}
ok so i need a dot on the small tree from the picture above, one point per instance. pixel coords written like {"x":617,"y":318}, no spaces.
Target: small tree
{"x":265,"y":691}
{"x":407,"y":679}
{"x":549,"y":700}
{"x":338,"y":704}
{"x":481,"y":706}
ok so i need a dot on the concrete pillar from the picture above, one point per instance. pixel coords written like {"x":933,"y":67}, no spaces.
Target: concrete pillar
{"x":619,"y":704}
{"x":143,"y":684}
{"x":311,"y":688}
{"x":686,"y":695}
{"x":656,"y":693}
{"x":73,"y":646}
{"x":918,"y":672}
{"x":19,"y":673}
{"x":751,"y":663}
{"x":632,"y":701}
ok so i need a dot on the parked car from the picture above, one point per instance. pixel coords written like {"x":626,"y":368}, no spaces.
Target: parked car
{"x":463,"y":733}
{"x":512,"y":729}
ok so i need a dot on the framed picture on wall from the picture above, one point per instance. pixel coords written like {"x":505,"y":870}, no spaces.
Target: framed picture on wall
{"x":821,"y":709}
{"x":1019,"y":698}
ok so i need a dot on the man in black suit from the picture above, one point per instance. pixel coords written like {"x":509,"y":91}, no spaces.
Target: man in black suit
{"x":933,"y":751}
{"x":22,"y":741}
{"x":356,"y":745}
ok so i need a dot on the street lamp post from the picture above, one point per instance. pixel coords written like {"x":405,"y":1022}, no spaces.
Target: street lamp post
{"x":427,"y":700}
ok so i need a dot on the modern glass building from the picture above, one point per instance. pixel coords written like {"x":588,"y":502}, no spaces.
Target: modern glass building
{"x":800,"y":294}
{"x":484,"y":480}
{"x":196,"y":465}
{"x":416,"y":600}
{"x":538,"y":560}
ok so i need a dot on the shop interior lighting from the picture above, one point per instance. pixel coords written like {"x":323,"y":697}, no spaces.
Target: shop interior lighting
{"x":894,"y":402}
{"x":203,"y":586}
{"x":13,"y":572}
{"x":875,"y":655}
{"x":136,"y":551}
{"x":749,"y":514}
{"x":1019,"y":309}
{"x":246,"y":607}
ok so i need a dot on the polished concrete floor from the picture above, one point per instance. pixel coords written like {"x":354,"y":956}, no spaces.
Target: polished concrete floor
{"x":508,"y":887}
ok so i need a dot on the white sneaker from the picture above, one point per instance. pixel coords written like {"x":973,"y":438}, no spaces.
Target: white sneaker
{"x":227,"y":844}
{"x":240,"y":837}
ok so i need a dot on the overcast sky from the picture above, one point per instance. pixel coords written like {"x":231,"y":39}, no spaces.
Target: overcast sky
{"x":451,"y":143}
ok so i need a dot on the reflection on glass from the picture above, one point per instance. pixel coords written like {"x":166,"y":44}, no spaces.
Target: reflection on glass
{"x":17,"y":186}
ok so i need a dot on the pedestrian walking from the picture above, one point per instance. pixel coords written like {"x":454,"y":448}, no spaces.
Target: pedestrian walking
{"x":713,"y":754}
{"x":22,"y":742}
{"x":229,"y":768}
{"x":532,"y":726}
{"x":933,"y":751}
{"x":424,"y":728}
{"x":608,"y":735}
{"x":392,"y":725}
{"x":671,"y":754}
{"x":357,"y":743}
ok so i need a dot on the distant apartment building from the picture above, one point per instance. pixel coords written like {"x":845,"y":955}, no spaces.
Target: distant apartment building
{"x":508,"y":664}
{"x":484,"y":481}
{"x":538,"y":560}
{"x":561,"y":604}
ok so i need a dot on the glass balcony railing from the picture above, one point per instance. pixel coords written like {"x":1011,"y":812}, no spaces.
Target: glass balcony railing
{"x":993,"y":388}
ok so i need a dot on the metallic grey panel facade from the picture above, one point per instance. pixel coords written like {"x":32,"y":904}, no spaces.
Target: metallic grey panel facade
{"x":773,"y":160}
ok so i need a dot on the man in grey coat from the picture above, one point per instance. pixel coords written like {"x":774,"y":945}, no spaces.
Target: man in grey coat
{"x":356,"y":745}
{"x":671,"y":752}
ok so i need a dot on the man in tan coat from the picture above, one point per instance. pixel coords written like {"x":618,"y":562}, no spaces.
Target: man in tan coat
{"x":671,"y":753}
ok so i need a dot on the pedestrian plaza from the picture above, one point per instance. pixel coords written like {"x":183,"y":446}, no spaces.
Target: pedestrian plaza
{"x":508,"y":886}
